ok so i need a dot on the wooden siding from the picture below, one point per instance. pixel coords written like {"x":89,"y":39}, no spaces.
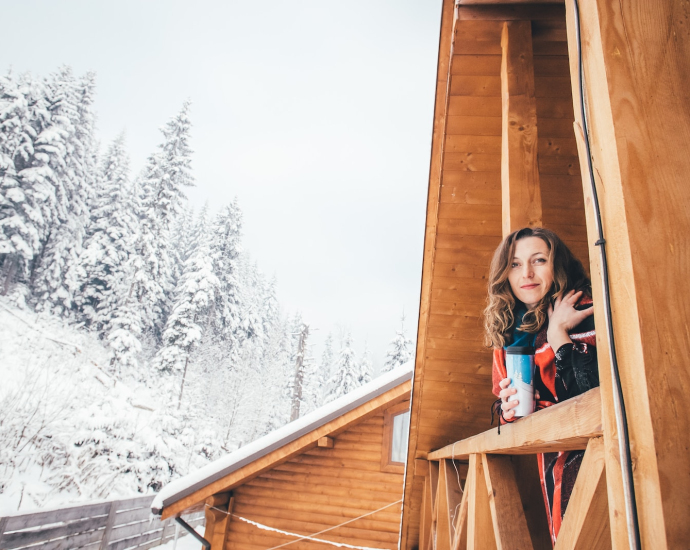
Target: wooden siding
{"x":452,"y":387}
{"x":318,"y":489}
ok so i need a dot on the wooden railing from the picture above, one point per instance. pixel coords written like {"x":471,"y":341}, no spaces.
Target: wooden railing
{"x":500,"y":505}
{"x":111,"y":525}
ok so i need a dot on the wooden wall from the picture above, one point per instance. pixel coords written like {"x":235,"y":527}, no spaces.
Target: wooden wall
{"x":319,"y":489}
{"x":452,"y":386}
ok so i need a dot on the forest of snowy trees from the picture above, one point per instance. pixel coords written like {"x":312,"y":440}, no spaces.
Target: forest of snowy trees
{"x":174,"y":304}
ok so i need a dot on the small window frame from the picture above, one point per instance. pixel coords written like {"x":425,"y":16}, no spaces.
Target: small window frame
{"x":387,"y":465}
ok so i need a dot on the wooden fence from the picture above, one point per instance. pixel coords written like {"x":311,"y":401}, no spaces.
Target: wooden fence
{"x":111,"y":525}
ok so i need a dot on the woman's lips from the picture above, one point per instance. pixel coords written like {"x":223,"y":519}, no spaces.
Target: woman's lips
{"x":528,"y":287}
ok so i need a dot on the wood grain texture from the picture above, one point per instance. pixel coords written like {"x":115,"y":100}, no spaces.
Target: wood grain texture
{"x":586,"y":522}
{"x":636,"y":59}
{"x":296,"y":448}
{"x":480,"y":532}
{"x":507,"y":515}
{"x":521,"y":192}
{"x":321,"y":488}
{"x":563,"y":427}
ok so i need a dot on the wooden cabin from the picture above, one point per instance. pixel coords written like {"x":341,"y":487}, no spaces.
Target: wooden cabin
{"x":509,"y":150}
{"x":334,"y":475}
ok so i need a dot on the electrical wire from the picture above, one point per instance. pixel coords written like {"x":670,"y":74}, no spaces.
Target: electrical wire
{"x":618,"y":400}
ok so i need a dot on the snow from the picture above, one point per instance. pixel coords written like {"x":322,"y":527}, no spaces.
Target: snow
{"x":222,"y":467}
{"x":185,"y":541}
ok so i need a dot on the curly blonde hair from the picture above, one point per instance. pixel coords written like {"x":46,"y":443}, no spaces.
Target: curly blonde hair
{"x":499,"y":314}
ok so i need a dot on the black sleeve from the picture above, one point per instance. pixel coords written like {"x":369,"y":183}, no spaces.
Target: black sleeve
{"x":576,"y":370}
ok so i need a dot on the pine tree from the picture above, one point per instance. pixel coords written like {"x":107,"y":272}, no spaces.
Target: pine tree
{"x":327,"y":364}
{"x":26,"y":191}
{"x":300,"y":333}
{"x":195,"y":294}
{"x":110,"y":238}
{"x":167,"y":173}
{"x":228,"y":319}
{"x":365,"y":366}
{"x":400,"y":350}
{"x":347,"y":371}
{"x":69,"y":147}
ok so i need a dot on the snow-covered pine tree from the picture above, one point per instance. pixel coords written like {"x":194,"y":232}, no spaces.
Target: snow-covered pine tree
{"x":365,"y":366}
{"x":314,"y":383}
{"x":194,"y":296}
{"x":326,"y":365}
{"x":182,"y":235}
{"x":25,"y":198}
{"x":167,"y":173}
{"x":109,"y":241}
{"x":299,"y":335}
{"x":347,"y":372}
{"x":400,"y":349}
{"x":228,"y":316}
{"x":69,"y":147}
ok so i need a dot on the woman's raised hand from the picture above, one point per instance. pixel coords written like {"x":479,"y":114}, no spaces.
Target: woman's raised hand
{"x":563,"y":317}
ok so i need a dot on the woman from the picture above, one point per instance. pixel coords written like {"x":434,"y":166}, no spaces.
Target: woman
{"x":540,"y":296}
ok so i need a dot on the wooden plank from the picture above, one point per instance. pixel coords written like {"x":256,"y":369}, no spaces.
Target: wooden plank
{"x":633,"y":83}
{"x":480,"y":534}
{"x":529,"y":485}
{"x":519,"y":167}
{"x":425,"y":516}
{"x":109,"y":525}
{"x":472,"y":144}
{"x":507,"y":515}
{"x":454,"y":494}
{"x":460,"y":525}
{"x":25,"y":521}
{"x":512,"y":12}
{"x":474,"y":125}
{"x":586,"y":522}
{"x":412,"y":495}
{"x":563,"y":427}
{"x":19,"y":539}
{"x":476,"y":65}
{"x":293,"y":449}
{"x":443,"y":518}
{"x":479,"y":85}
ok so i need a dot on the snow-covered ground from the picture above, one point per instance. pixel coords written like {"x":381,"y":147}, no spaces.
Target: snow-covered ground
{"x":69,"y":431}
{"x":186,"y":542}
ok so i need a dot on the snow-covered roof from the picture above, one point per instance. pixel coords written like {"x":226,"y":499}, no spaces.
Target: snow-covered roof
{"x":222,"y":467}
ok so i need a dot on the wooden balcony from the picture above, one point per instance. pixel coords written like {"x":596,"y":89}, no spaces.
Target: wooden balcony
{"x":500,"y":505}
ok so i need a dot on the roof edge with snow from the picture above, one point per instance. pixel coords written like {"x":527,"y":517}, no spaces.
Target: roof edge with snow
{"x":222,"y":467}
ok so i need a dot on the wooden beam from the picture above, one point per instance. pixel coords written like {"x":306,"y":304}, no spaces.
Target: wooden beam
{"x":564,"y":427}
{"x":526,"y":470}
{"x":425,"y":516}
{"x":447,"y":29}
{"x":325,"y":442}
{"x":480,"y":533}
{"x":453,"y":496}
{"x":521,"y":193}
{"x":505,"y":2}
{"x":637,"y":65}
{"x":586,"y":522}
{"x":443,"y":519}
{"x":511,"y":12}
{"x":460,"y":531}
{"x":507,"y":515}
{"x":421,"y":467}
{"x":217,"y":519}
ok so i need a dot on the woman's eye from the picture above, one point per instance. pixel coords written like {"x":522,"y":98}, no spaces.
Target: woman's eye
{"x":540,"y":261}
{"x":514,"y":264}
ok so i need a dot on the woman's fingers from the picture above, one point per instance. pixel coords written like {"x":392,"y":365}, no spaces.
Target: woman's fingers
{"x":506,"y":393}
{"x":504,"y":383}
{"x":508,"y":406}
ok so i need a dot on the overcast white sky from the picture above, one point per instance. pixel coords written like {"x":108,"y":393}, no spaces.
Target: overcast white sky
{"x":316,"y":114}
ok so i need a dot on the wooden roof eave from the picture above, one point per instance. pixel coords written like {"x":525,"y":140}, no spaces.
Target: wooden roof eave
{"x":437,"y":144}
{"x":400,"y":392}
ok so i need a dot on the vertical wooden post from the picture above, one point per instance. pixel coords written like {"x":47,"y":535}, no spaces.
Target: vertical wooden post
{"x":637,"y":74}
{"x":508,"y":517}
{"x":3,"y":523}
{"x":519,"y":168}
{"x":218,"y":510}
{"x":112,"y":512}
{"x":586,"y":521}
{"x":480,"y":531}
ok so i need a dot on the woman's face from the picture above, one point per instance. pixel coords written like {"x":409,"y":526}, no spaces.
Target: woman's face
{"x":530,"y":272}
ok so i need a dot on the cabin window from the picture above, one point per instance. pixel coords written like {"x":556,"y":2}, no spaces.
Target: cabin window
{"x":401,"y":431}
{"x":396,"y":430}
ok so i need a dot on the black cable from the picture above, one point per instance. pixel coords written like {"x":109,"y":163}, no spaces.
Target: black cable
{"x":619,"y":403}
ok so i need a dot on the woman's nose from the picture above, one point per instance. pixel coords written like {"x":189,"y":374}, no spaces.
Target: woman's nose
{"x":527,"y":271}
